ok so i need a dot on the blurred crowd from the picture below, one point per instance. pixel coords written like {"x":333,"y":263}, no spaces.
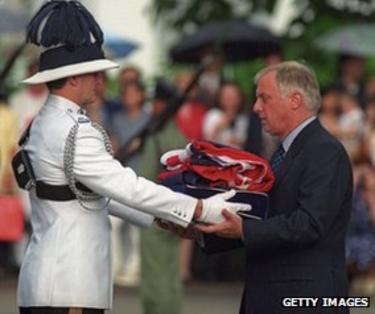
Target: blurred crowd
{"x":217,"y":110}
{"x":348,"y":112}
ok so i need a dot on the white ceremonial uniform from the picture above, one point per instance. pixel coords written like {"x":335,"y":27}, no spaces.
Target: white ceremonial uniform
{"x":68,"y":260}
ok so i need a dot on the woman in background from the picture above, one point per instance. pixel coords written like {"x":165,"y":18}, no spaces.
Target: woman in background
{"x":226,"y":124}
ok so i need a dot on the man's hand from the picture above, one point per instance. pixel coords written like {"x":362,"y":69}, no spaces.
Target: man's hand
{"x":231,"y":227}
{"x":186,"y":233}
{"x":211,"y":208}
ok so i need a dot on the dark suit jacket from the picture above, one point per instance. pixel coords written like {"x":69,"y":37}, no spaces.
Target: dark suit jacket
{"x":299,"y":251}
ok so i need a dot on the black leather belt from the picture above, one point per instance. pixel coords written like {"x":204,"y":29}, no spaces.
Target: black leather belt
{"x":57,"y":192}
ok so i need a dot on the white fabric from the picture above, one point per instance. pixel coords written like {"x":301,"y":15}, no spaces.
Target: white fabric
{"x":181,"y":154}
{"x":226,"y":135}
{"x":352,"y":124}
{"x":71,"y":70}
{"x":134,"y":216}
{"x":68,"y":260}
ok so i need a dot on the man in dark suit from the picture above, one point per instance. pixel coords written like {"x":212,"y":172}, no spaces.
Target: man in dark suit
{"x":299,"y":250}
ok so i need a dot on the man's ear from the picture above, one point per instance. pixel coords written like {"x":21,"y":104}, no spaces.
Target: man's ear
{"x":296,"y":100}
{"x":73,"y":81}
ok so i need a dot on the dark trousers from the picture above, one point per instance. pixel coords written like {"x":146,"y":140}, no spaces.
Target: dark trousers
{"x":55,"y":310}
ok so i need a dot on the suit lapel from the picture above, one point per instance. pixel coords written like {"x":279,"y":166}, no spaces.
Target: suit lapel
{"x":295,"y":148}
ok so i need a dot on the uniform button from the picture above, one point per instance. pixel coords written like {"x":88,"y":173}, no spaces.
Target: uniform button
{"x":70,"y":110}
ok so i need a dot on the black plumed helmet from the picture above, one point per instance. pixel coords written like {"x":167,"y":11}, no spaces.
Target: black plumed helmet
{"x":63,"y":22}
{"x":72,"y":40}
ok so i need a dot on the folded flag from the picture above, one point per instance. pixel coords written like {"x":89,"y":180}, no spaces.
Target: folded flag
{"x":217,"y":165}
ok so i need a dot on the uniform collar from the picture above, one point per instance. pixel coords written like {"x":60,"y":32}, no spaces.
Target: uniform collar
{"x":64,"y":104}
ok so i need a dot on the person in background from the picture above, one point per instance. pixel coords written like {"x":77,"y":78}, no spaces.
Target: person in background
{"x":330,"y":110}
{"x":226,"y":124}
{"x":128,"y":74}
{"x":351,"y":124}
{"x":8,"y":145}
{"x":369,"y":88}
{"x":161,"y":285}
{"x":190,"y":116}
{"x":132,"y":117}
{"x":369,"y":131}
{"x":26,"y":102}
{"x":351,"y":72}
{"x":360,"y":249}
{"x":189,"y":120}
{"x":98,"y":110}
{"x":126,"y":237}
{"x":210,"y":80}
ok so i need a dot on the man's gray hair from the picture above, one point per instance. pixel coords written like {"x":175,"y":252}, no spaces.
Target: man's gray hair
{"x":293,"y":76}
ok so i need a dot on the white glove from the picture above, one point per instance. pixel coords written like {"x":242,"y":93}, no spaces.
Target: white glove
{"x":213,"y":206}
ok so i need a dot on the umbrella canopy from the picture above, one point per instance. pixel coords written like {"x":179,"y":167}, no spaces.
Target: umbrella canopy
{"x":237,"y":40}
{"x":119,"y":47}
{"x":356,"y":39}
{"x":12,"y":22}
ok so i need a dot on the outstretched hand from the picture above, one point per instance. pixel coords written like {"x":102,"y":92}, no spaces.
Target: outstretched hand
{"x":212,"y":207}
{"x":231,"y":227}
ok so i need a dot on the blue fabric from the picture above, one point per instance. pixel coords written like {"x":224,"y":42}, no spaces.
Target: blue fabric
{"x":199,"y":158}
{"x":185,"y":177}
{"x":258,"y":200}
{"x":360,"y":248}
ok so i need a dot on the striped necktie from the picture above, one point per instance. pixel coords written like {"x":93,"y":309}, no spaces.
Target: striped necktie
{"x":277,"y":159}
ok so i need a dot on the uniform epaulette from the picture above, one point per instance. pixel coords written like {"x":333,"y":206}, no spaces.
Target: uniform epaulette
{"x":83,"y":119}
{"x":78,"y":117}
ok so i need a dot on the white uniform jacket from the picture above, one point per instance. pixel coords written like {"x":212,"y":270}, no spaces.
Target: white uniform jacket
{"x":68,"y":260}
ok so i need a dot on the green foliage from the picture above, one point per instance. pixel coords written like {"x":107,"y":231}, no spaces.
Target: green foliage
{"x":180,"y":15}
{"x":326,"y":17}
{"x":263,"y":5}
{"x":315,"y":18}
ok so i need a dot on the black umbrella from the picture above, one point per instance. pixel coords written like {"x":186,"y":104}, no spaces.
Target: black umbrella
{"x":237,"y":40}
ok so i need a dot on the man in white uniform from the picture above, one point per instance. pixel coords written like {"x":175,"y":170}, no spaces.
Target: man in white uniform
{"x":76,"y":181}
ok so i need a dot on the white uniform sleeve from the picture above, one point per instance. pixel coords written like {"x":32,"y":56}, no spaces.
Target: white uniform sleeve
{"x":98,"y":170}
{"x":131,"y":215}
